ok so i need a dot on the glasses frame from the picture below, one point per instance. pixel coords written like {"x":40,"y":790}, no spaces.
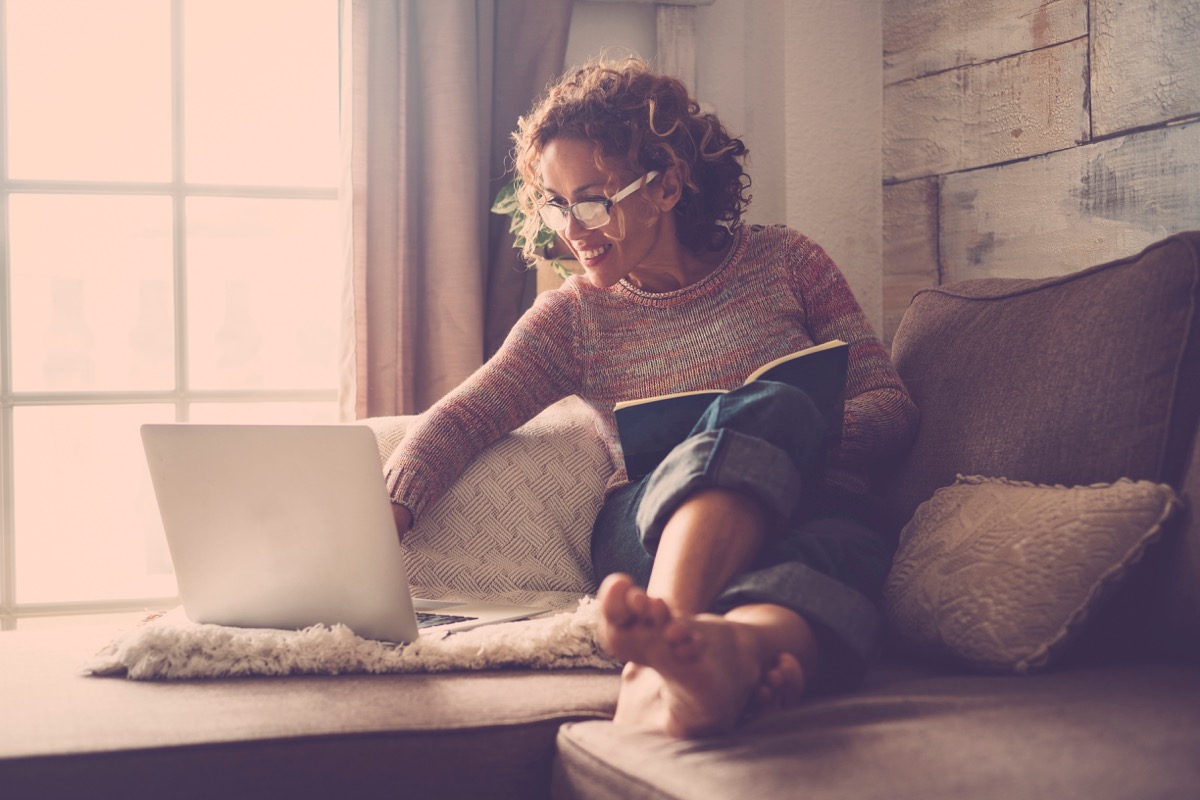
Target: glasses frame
{"x":607,"y":203}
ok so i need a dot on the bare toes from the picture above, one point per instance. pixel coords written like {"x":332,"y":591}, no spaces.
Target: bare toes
{"x":781,"y":686}
{"x":618,"y":603}
{"x":632,"y":623}
{"x":792,"y":681}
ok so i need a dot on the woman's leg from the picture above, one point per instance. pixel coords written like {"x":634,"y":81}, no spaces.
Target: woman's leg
{"x":690,"y":673}
{"x":714,"y":535}
{"x":707,"y":514}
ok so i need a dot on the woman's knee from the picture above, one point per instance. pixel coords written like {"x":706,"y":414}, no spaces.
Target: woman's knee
{"x":766,"y":407}
{"x":777,"y":413}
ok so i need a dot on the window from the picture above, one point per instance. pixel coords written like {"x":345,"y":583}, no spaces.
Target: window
{"x":168,"y":213}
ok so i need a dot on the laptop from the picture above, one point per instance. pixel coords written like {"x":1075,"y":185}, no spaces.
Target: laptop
{"x":282,"y":526}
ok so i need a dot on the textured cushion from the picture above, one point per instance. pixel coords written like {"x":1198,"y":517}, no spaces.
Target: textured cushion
{"x":1080,"y":379}
{"x":1000,"y":574}
{"x":518,"y":523}
{"x":1085,"y":378}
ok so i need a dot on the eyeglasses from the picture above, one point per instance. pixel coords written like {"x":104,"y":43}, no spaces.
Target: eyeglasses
{"x":591,"y":214}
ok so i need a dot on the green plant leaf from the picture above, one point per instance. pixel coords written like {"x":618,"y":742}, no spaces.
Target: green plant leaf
{"x":561,"y":268}
{"x":506,"y":203}
{"x":506,"y":199}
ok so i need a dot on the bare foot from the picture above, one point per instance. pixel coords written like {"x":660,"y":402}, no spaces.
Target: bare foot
{"x":687,"y":675}
{"x":630,"y":620}
{"x":781,"y":687}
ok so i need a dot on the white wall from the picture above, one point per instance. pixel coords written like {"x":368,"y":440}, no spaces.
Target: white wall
{"x":802,"y":84}
{"x":620,"y":29}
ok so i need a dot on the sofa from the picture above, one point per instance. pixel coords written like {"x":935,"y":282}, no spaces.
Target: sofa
{"x":1042,"y":619}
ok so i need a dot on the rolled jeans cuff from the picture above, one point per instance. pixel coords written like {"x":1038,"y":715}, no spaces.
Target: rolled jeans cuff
{"x":835,"y":607}
{"x":723,"y":458}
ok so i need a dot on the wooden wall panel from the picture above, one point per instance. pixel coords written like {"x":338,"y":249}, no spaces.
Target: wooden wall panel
{"x":920,"y":38}
{"x":1145,"y":63}
{"x":1004,"y":110}
{"x":910,"y":247}
{"x":1066,"y":211}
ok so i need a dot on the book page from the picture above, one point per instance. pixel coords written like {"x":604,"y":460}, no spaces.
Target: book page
{"x":628,"y":403}
{"x":816,"y":348}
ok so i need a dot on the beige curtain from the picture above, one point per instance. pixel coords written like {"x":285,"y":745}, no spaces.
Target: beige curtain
{"x":431,"y":90}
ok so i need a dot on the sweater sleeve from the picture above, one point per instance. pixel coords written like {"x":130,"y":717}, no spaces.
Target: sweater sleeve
{"x":535,"y":367}
{"x":880,"y":416}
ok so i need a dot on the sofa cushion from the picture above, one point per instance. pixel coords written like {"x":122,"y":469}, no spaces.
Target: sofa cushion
{"x":518,"y":523}
{"x":1101,"y":733}
{"x":1159,"y":607}
{"x":461,"y":735}
{"x":1080,"y":379}
{"x":1000,"y":574}
{"x":1084,"y":378}
{"x":1178,"y":579}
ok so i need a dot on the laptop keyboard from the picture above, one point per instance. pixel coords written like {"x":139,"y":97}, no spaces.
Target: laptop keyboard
{"x":432,"y":620}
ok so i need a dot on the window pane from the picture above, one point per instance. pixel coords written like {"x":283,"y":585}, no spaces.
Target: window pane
{"x":265,"y":413}
{"x":262,"y":293}
{"x":89,"y":89}
{"x":93,"y":305}
{"x":260,"y":83}
{"x":87,"y":525}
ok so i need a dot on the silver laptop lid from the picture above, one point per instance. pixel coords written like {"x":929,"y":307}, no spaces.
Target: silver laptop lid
{"x":281,"y":526}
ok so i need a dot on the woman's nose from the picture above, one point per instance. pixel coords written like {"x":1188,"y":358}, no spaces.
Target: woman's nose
{"x":574,"y":226}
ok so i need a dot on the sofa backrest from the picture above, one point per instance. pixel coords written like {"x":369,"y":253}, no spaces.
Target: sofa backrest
{"x":1079,"y":379}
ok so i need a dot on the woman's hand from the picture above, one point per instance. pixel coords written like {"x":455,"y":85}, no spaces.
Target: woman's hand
{"x":404,"y":520}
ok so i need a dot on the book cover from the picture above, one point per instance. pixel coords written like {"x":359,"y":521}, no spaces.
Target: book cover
{"x":650,"y":428}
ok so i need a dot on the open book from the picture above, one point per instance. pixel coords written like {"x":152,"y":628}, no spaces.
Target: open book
{"x":649,"y":429}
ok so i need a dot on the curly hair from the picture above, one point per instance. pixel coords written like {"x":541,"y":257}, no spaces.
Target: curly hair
{"x":636,"y":117}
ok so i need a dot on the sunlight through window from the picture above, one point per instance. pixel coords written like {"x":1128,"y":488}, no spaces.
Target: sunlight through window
{"x":168,"y":189}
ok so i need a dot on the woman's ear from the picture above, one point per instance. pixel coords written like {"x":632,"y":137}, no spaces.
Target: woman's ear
{"x":669,"y":189}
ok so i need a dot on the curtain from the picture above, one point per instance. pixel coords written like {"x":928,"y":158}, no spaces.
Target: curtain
{"x":431,"y":91}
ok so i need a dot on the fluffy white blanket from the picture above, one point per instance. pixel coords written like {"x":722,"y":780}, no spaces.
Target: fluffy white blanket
{"x":172,"y":646}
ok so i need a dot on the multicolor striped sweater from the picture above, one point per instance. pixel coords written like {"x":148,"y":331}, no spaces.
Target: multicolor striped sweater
{"x":775,"y":292}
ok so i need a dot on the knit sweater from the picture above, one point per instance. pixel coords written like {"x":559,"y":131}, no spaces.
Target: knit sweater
{"x":774,"y":293}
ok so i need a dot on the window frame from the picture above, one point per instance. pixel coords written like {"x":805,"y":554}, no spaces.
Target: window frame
{"x":181,"y":396}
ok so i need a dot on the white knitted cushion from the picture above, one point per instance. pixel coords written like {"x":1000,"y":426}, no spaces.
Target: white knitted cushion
{"x":518,"y":522}
{"x":998,"y":573}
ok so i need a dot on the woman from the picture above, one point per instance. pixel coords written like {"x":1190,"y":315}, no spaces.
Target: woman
{"x":744,"y":570}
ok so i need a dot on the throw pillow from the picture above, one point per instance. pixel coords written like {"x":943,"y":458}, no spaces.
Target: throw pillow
{"x":517,"y":524}
{"x":1000,"y":573}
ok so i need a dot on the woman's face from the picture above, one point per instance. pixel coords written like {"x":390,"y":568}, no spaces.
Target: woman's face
{"x":632,"y":235}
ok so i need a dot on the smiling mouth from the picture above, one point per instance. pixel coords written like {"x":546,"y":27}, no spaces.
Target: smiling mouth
{"x":588,"y":255}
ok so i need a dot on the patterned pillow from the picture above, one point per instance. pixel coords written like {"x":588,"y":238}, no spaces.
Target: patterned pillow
{"x":999,"y":574}
{"x":517,"y":524}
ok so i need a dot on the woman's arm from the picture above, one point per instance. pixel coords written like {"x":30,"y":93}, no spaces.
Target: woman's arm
{"x":536,"y":366}
{"x":880,"y":416}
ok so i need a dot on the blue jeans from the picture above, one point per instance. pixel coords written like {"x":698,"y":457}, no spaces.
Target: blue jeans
{"x":823,"y":556}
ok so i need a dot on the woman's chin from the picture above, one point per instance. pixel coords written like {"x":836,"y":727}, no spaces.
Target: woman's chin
{"x":601,"y":279}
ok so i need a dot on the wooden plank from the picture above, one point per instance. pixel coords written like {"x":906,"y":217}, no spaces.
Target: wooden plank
{"x":975,"y":116}
{"x":1066,"y":211}
{"x":920,"y":38}
{"x":1145,"y":63}
{"x":910,"y":247}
